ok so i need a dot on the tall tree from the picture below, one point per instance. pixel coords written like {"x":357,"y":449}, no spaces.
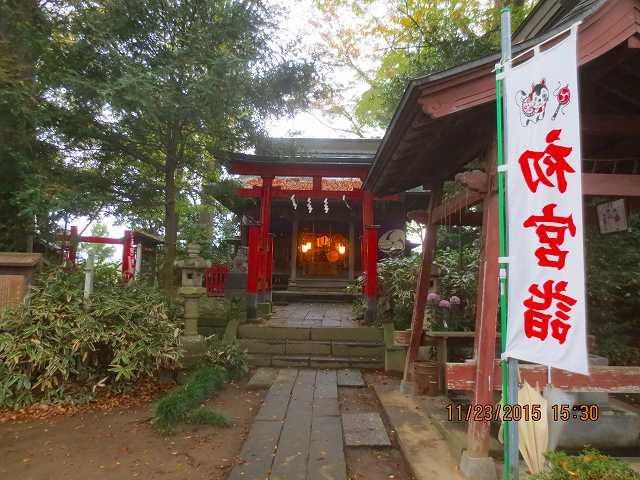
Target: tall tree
{"x":155,"y":88}
{"x":385,"y":43}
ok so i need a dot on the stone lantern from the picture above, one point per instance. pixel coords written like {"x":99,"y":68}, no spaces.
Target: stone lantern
{"x":192,"y":273}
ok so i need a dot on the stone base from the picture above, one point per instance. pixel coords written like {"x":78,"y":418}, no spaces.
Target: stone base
{"x":617,"y":427}
{"x":194,"y":348}
{"x":394,"y":358}
{"x":264,"y":308}
{"x":478,"y":468}
{"x":372,"y":310}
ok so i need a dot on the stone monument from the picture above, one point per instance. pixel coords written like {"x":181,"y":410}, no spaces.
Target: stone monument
{"x":192,"y":272}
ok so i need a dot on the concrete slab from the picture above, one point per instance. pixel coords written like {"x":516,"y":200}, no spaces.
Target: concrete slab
{"x":257,"y":452}
{"x":262,"y":378}
{"x":326,"y":407}
{"x":326,"y":452}
{"x":276,"y":402}
{"x":364,"y":430}
{"x":290,"y":462}
{"x":425,"y":450}
{"x":350,"y":378}
{"x":326,"y":384}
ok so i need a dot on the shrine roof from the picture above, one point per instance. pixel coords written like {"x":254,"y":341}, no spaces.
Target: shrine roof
{"x":308,"y":156}
{"x":446,"y":119}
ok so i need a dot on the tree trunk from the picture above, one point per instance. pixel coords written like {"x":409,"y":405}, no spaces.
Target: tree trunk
{"x":170,"y":220}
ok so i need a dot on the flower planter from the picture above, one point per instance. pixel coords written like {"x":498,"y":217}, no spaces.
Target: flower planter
{"x":426,"y":376}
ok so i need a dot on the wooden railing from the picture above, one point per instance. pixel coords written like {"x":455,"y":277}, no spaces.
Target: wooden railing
{"x":214,"y":280}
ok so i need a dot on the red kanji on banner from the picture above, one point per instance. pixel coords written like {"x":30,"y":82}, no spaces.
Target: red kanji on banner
{"x":540,"y":167}
{"x":537,"y":322}
{"x":551,"y":230}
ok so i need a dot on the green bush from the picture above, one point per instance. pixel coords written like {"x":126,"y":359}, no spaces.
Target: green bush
{"x":59,"y":347}
{"x":204,"y":416}
{"x":588,"y":465}
{"x":227,"y":355}
{"x":182,"y":400}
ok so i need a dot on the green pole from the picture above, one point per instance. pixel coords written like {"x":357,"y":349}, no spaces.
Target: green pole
{"x":509,"y":470}
{"x":503,"y":277}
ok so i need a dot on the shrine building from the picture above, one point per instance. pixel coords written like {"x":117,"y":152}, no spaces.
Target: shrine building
{"x":309,"y":227}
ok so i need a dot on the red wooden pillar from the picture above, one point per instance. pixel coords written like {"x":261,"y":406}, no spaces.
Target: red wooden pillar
{"x":370,"y":255}
{"x":128,"y":256}
{"x":422,"y":286}
{"x":486,"y":315}
{"x":253,"y":266}
{"x":264,"y":294}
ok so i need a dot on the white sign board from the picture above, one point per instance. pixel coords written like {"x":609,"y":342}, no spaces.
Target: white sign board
{"x":612,"y":217}
{"x":546,"y":316}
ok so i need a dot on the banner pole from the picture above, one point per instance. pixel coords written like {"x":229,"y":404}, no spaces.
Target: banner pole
{"x":509,"y":366}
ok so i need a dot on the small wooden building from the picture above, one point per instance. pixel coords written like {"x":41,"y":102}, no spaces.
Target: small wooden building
{"x":447,"y":120}
{"x":16,"y":273}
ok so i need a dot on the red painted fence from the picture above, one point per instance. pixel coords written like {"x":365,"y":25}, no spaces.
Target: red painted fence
{"x":214,"y":280}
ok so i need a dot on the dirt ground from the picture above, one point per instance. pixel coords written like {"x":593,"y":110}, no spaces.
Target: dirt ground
{"x":365,"y":463}
{"x":122,"y":444}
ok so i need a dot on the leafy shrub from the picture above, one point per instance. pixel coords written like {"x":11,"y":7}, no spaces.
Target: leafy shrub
{"x":588,"y":465}
{"x":58,"y":346}
{"x":227,"y":355}
{"x":178,"y":403}
{"x":204,"y":416}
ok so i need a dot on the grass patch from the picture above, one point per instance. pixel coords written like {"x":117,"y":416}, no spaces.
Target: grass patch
{"x":589,"y":464}
{"x":178,"y":403}
{"x":204,"y":416}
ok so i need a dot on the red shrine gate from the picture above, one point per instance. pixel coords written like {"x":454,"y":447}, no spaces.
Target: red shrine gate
{"x":134,"y":245}
{"x":309,"y":219}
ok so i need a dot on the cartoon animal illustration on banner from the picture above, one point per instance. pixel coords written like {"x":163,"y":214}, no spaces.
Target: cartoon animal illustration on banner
{"x":533,"y":105}
{"x":563,"y":96}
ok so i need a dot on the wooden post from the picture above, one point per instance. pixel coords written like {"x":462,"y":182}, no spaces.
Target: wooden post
{"x":422,"y":287}
{"x":264,"y":288}
{"x":370,"y":256}
{"x":253,"y":267}
{"x":294,"y":251}
{"x":352,"y":249}
{"x":74,"y":239}
{"x":486,"y":315}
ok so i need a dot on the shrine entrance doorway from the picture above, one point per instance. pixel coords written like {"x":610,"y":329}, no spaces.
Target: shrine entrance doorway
{"x":323,"y":250}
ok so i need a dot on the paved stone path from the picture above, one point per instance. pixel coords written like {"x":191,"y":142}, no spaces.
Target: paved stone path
{"x":297,"y":434}
{"x":312,"y":315}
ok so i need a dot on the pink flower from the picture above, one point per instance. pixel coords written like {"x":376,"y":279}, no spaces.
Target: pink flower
{"x":444,"y":304}
{"x":433,"y":298}
{"x":455,"y":300}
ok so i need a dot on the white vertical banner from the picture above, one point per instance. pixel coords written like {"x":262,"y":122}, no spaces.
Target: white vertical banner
{"x":546,"y":315}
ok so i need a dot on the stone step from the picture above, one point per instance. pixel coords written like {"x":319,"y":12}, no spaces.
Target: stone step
{"x":326,"y":334}
{"x":313,"y":295}
{"x":313,"y":361}
{"x":313,"y":347}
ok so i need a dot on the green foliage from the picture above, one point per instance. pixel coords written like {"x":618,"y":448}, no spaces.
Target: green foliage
{"x":182,"y":400}
{"x":613,"y":280}
{"x":397,"y":280}
{"x":227,"y":355}
{"x":58,"y":346}
{"x":204,"y":416}
{"x":102,"y":252}
{"x":383,"y":44}
{"x":457,"y":260}
{"x":590,"y":464}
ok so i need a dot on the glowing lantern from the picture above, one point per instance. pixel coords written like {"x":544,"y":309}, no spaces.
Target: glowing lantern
{"x":306,"y":247}
{"x":341,"y":249}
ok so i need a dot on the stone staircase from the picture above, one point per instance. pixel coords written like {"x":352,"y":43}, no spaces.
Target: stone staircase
{"x":326,"y":347}
{"x":315,"y":290}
